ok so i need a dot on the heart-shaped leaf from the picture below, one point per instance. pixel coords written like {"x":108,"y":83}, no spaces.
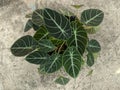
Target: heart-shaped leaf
{"x":37,"y":57}
{"x":53,"y":64}
{"x":46,"y":45}
{"x":24,"y":45}
{"x":37,"y":17}
{"x":72,"y":61}
{"x":41,"y":33}
{"x":90,"y":59}
{"x":79,"y":38}
{"x":94,"y":46}
{"x":57,"y":24}
{"x":62,"y":80}
{"x":92,"y":17}
{"x":28,"y":25}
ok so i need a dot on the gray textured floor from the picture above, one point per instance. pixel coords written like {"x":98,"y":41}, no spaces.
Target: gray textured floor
{"x":17,"y":74}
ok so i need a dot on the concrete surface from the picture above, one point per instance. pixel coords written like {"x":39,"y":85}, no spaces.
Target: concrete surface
{"x":17,"y":74}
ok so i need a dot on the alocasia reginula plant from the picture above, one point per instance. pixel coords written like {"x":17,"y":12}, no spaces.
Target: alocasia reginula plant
{"x":60,"y":41}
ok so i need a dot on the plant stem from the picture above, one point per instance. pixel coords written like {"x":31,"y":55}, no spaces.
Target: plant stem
{"x":36,"y":4}
{"x":61,"y":47}
{"x":74,"y":88}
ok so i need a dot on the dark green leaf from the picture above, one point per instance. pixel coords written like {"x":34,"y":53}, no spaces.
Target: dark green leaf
{"x":94,"y":46}
{"x":72,"y":61}
{"x":37,"y":57}
{"x":53,"y":64}
{"x":90,"y":59}
{"x":35,"y":27}
{"x":62,"y":80}
{"x":24,"y":45}
{"x":28,"y":25}
{"x":57,"y":24}
{"x":37,"y":17}
{"x":79,"y":38}
{"x":46,"y":45}
{"x":41,"y":33}
{"x":92,"y":17}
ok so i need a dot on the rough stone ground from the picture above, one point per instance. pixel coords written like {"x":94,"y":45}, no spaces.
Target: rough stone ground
{"x":17,"y":74}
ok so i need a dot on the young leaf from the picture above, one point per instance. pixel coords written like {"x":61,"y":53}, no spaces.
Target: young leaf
{"x":24,"y":45}
{"x":94,"y":46}
{"x":72,"y":61}
{"x":41,"y":33}
{"x":89,"y":73}
{"x":91,"y":30}
{"x":53,"y":64}
{"x":57,"y":24}
{"x":92,"y":17}
{"x":79,"y":38}
{"x":46,"y":45}
{"x":95,"y":55}
{"x":28,"y":25}
{"x":90,"y":59}
{"x":56,"y":41}
{"x":77,"y":6}
{"x":41,"y":69}
{"x":62,"y":80}
{"x":29,"y":15}
{"x":37,"y":17}
{"x":82,"y":63}
{"x":37,"y":57}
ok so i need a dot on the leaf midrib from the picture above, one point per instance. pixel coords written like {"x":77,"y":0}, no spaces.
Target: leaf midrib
{"x":93,"y":18}
{"x":43,"y":36}
{"x":45,"y":45}
{"x":63,"y":81}
{"x":39,"y":14}
{"x":71,"y":57}
{"x":57,"y":24}
{"x":93,"y":46}
{"x":75,"y":34}
{"x":52,"y":63}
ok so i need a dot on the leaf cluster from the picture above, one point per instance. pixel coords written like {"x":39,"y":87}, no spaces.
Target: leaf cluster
{"x":59,"y":41}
